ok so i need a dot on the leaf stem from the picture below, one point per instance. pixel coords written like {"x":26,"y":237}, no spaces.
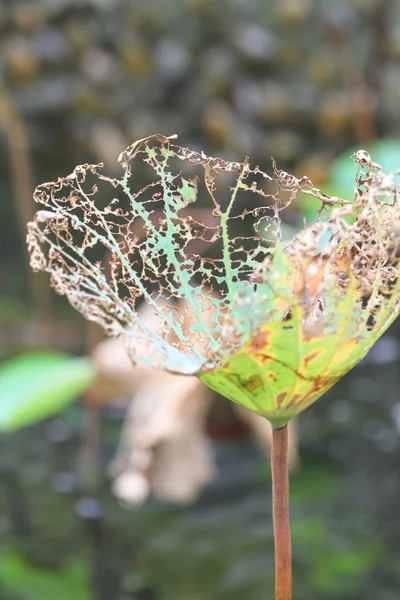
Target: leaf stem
{"x":280,"y":498}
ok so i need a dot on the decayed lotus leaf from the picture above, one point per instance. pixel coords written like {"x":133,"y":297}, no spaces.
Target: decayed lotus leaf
{"x":269,"y":323}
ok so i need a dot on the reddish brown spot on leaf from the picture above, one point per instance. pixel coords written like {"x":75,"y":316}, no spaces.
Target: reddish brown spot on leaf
{"x":280,"y":398}
{"x":259,"y":341}
{"x":311,"y":357}
{"x":293,"y":400}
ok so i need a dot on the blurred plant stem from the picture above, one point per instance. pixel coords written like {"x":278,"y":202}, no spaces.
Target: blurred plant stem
{"x":280,"y":499}
{"x":89,"y":457}
{"x":22,"y":184}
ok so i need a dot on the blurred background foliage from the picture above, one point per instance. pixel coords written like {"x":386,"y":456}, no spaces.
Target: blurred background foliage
{"x":304,"y":81}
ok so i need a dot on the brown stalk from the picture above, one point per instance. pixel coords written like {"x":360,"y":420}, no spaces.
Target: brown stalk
{"x":12,"y":124}
{"x":89,"y":456}
{"x":280,"y":500}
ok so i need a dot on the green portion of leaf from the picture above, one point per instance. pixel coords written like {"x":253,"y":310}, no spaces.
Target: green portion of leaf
{"x":287,"y":366}
{"x":35,"y":386}
{"x":341,"y":176}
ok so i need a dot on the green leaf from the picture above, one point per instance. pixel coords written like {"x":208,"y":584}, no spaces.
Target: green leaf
{"x":341,"y":179}
{"x":341,"y":174}
{"x":35,"y":386}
